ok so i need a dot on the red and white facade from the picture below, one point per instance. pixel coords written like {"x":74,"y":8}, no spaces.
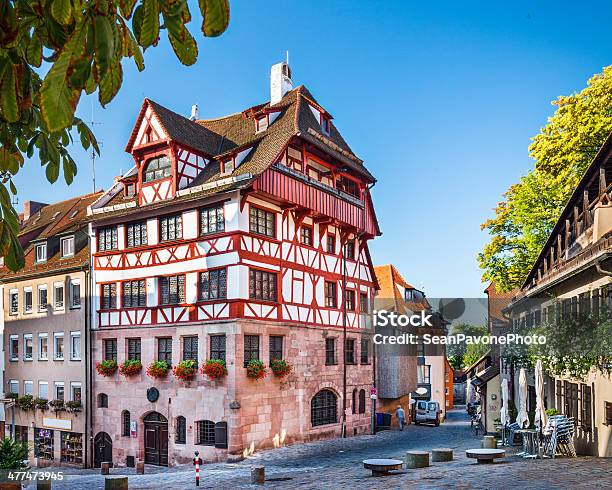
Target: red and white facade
{"x":288,"y":243}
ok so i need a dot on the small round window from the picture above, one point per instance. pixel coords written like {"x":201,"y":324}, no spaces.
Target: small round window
{"x":156,"y":169}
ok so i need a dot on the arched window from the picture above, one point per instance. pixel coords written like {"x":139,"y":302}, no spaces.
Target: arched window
{"x":125,"y":423}
{"x":362,"y":401}
{"x":181,"y":430}
{"x":324,"y":408}
{"x":355,"y":400}
{"x":205,"y":433}
{"x":157,"y":168}
{"x":102,"y":400}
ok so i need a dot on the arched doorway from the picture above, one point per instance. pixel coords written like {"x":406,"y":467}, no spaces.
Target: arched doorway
{"x":103,"y":449}
{"x":156,"y":439}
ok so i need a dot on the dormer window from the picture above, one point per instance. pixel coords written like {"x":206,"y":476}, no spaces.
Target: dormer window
{"x":130,"y":189}
{"x":157,"y":169}
{"x":67,"y":246}
{"x":261,"y":123}
{"x":325,"y":124}
{"x":41,"y":252}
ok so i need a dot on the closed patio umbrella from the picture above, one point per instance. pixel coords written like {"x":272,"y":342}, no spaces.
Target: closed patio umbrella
{"x":522,"y":418}
{"x":540,"y":413}
{"x":504,"y":416}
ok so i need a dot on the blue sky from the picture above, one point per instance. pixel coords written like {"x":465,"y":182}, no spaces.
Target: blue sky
{"x":439,"y":99}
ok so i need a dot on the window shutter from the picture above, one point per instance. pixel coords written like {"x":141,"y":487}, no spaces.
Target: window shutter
{"x":221,"y":435}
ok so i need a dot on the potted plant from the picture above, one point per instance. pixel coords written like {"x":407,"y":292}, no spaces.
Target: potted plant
{"x":12,"y":396}
{"x":41,"y":403}
{"x":26,"y":402}
{"x":256,"y":369}
{"x":552,"y":411}
{"x":106,"y":368}
{"x":158,"y":369}
{"x":130,"y":367}
{"x":214,"y":369}
{"x":57,"y":405}
{"x":74,"y":405}
{"x":186,"y":370}
{"x":280,"y":368}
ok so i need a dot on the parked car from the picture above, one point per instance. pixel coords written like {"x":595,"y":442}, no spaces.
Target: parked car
{"x":427,"y":412}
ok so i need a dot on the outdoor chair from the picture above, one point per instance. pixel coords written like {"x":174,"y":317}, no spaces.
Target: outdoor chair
{"x":558,"y":437}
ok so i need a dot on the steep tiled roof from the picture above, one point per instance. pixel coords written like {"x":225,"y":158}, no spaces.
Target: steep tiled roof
{"x":388,"y":296}
{"x":51,"y":221}
{"x":226,"y":136}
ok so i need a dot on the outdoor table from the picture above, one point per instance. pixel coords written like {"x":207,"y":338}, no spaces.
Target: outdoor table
{"x":381,"y":467}
{"x":485,"y":455}
{"x":530,"y":443}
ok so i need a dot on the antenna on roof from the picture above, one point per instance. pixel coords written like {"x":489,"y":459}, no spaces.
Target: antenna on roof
{"x":93,"y":152}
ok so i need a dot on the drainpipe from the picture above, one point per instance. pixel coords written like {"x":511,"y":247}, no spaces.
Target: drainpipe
{"x":88,"y":377}
{"x":343,"y":343}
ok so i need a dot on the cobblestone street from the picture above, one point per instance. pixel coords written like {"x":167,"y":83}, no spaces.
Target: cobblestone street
{"x":337,"y":464}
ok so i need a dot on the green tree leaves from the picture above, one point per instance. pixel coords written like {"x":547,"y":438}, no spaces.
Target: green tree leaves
{"x":562,"y":151}
{"x":83,"y":43}
{"x":216,"y":16}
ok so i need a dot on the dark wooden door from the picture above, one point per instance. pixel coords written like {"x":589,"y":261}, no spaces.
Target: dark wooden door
{"x":103,"y":449}
{"x":156,"y":439}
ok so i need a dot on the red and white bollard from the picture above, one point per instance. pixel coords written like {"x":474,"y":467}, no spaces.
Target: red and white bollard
{"x":197,"y":461}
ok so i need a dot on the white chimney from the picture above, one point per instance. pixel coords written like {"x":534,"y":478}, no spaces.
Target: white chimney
{"x":194,"y":113}
{"x":280,"y":82}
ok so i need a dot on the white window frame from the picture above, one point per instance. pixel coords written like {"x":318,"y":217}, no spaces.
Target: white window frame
{"x":13,"y":292}
{"x":56,"y":385}
{"x":14,"y":383}
{"x":65,"y":240}
{"x":27,"y":310}
{"x":46,"y":384}
{"x":73,"y":385}
{"x":75,"y":282}
{"x":26,"y":337}
{"x":13,"y":338}
{"x":58,"y":335}
{"x":40,"y":337}
{"x":43,"y":307}
{"x":25,"y":387}
{"x":42,"y":256}
{"x":56,"y":287}
{"x":74,"y":335}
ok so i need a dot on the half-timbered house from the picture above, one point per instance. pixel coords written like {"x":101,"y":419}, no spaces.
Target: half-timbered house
{"x":238,"y":238}
{"x":570,"y":283}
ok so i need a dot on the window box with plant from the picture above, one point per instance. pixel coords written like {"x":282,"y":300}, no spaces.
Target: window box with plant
{"x":130,"y":367}
{"x":12,"y":396}
{"x":214,"y":369}
{"x":281,"y":368}
{"x":26,"y":402}
{"x":186,"y":370}
{"x":107,"y":368}
{"x":256,"y":369}
{"x":57,"y":405}
{"x":158,"y":369}
{"x":41,"y":403}
{"x":74,"y":405}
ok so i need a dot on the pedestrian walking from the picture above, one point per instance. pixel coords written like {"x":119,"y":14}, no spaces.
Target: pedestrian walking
{"x":401,"y":416}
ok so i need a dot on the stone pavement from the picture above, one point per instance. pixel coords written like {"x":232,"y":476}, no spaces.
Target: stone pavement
{"x":336,"y":464}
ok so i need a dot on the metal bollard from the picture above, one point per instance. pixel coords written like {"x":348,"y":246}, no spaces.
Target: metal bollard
{"x":197,"y":461}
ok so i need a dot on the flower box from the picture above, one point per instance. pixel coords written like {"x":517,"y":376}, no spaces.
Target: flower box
{"x":74,"y":405}
{"x":158,"y":369}
{"x":214,"y":369}
{"x":256,"y":369}
{"x":26,"y":402}
{"x":130,"y":367}
{"x":186,"y":370}
{"x":41,"y":403}
{"x":281,"y":368}
{"x":107,"y":368}
{"x":57,"y":405}
{"x":12,"y":396}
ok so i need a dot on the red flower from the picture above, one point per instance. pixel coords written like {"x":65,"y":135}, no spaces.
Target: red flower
{"x":130,"y":367}
{"x":186,"y":370}
{"x":256,"y":369}
{"x":280,"y":368}
{"x":214,"y":369}
{"x":158,"y":369}
{"x":106,"y":368}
